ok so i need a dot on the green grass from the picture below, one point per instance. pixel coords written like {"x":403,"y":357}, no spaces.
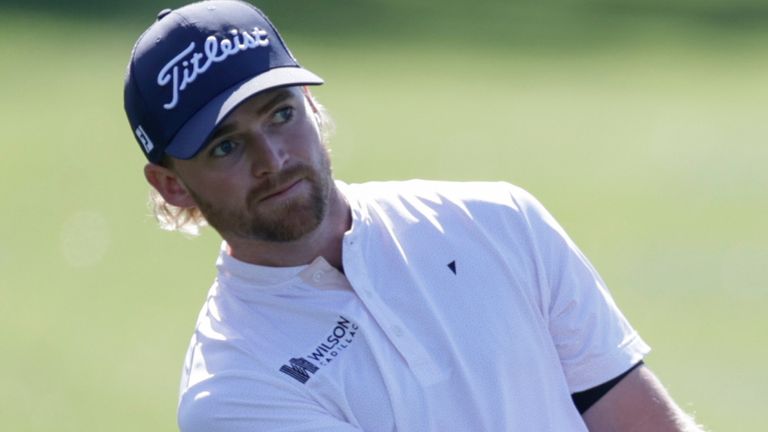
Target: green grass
{"x":649,"y":150}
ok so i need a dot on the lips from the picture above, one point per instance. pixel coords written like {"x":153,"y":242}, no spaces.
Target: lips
{"x":281,"y":183}
{"x":280,"y":190}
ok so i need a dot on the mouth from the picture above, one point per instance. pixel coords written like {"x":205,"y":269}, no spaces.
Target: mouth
{"x":281,"y":191}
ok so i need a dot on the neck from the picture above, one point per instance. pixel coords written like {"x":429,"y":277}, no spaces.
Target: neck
{"x":324,"y":241}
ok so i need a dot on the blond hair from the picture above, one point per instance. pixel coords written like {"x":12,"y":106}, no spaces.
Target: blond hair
{"x":189,"y":220}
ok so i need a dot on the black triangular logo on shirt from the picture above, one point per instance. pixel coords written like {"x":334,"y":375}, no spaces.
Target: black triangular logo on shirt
{"x":452,"y":266}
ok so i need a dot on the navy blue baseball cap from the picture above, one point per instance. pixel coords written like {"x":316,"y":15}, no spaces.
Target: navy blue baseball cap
{"x":196,"y":64}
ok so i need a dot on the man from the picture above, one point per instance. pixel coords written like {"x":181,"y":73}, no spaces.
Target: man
{"x":409,"y":306}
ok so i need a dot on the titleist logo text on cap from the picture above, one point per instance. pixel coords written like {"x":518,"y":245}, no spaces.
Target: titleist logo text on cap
{"x":214,"y":51}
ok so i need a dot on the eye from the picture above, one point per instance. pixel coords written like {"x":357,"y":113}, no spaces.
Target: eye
{"x":283,"y":115}
{"x":223,"y":148}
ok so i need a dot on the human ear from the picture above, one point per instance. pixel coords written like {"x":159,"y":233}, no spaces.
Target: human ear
{"x":168,"y":184}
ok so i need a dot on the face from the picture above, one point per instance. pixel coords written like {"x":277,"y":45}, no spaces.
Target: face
{"x":265,"y":174}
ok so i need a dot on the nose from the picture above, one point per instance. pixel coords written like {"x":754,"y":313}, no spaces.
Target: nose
{"x":268,"y":156}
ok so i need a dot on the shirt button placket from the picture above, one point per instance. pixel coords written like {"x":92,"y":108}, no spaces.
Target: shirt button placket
{"x":317,"y":276}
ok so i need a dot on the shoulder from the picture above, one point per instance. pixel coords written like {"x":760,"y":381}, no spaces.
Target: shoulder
{"x":472,"y":195}
{"x":223,"y":370}
{"x":432,"y":188}
{"x":216,"y":345}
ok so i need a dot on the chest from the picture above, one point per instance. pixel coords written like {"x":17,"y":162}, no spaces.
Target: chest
{"x":450,"y":350}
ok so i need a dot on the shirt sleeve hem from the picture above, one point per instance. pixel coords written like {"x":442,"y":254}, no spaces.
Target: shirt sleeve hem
{"x":604,"y":368}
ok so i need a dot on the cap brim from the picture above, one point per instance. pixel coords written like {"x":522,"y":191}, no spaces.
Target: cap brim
{"x":191,"y":138}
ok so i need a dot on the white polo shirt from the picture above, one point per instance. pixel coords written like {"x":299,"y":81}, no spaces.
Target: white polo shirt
{"x":462,"y":307}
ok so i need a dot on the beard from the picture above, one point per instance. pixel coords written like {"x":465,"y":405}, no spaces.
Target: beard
{"x":282,"y":222}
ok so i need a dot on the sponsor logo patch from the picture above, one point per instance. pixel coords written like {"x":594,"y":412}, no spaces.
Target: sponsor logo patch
{"x":339,"y":338}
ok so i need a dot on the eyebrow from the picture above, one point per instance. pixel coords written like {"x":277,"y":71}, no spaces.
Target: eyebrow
{"x":276,"y":99}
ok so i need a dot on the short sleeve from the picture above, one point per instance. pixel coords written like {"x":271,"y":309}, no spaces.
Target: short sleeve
{"x":593,"y":339}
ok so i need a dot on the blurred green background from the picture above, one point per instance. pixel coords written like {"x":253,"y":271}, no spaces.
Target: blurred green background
{"x":641,"y":124}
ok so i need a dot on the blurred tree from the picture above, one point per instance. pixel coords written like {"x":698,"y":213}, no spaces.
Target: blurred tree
{"x":500,"y":23}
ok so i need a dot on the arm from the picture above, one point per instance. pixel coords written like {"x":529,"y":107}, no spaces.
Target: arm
{"x":594,"y":340}
{"x":638,"y":403}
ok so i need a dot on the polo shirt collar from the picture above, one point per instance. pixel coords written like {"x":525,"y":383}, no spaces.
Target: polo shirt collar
{"x":249,"y":280}
{"x":231,"y":268}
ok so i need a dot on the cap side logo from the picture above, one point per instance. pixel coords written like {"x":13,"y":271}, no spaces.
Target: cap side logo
{"x":193,"y":64}
{"x":144,"y":139}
